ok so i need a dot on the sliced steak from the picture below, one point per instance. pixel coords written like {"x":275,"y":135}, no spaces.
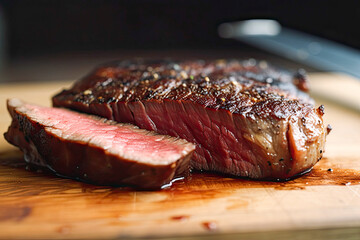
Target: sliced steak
{"x":245,"y":118}
{"x":95,"y":149}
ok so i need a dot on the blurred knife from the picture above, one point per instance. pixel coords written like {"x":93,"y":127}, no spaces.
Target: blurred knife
{"x":310,"y":50}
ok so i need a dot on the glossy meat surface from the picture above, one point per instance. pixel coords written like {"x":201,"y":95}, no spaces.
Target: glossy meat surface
{"x":95,"y":149}
{"x":246,"y":118}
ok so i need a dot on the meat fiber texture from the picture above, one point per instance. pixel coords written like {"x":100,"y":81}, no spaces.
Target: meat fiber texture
{"x":94,"y":149}
{"x":246,"y":118}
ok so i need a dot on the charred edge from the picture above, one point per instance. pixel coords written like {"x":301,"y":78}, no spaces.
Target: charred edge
{"x":292,"y":177}
{"x":321,"y":110}
{"x":300,"y":80}
{"x":328,"y":129}
{"x":266,"y":179}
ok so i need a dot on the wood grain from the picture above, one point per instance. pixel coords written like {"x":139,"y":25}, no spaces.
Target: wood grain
{"x":337,"y":88}
{"x":37,"y":204}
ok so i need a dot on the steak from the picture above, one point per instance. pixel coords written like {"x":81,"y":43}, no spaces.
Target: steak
{"x":95,"y":149}
{"x":247,"y":119}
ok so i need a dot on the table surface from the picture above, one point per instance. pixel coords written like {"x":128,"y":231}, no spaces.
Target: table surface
{"x":320,"y":205}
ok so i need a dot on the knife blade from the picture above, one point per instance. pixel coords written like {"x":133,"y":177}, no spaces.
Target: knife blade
{"x":300,"y":47}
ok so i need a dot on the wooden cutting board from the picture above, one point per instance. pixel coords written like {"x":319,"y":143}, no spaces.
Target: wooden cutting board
{"x":322,"y":204}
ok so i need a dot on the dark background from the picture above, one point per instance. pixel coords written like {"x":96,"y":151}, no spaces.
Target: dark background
{"x":51,"y":40}
{"x":43,"y":27}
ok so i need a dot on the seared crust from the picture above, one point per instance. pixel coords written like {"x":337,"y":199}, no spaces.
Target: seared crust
{"x":254,"y":121}
{"x":232,"y":85}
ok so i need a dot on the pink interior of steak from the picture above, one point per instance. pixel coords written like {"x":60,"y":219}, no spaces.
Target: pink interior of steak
{"x":250,"y":146}
{"x":125,"y":140}
{"x":244,"y":119}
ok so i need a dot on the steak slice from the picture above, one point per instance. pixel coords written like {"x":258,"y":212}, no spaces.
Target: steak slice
{"x":246,"y":119}
{"x":94,"y":149}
